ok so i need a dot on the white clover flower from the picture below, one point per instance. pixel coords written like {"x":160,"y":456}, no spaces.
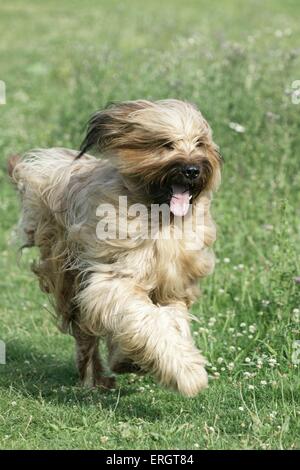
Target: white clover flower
{"x":251,"y":387}
{"x":241,"y":408}
{"x":272,"y":362}
{"x":242,"y":325}
{"x":263,"y":382}
{"x":252,"y":328}
{"x":203,"y":330}
{"x":248,"y":360}
{"x":226,"y":260}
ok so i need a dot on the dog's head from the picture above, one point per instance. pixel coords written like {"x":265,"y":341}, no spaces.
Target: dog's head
{"x":163,"y":149}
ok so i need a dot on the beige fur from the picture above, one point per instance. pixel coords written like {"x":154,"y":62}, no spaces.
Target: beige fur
{"x":135,"y":292}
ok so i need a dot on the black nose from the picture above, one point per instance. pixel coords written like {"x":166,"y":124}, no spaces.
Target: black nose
{"x":191,"y":171}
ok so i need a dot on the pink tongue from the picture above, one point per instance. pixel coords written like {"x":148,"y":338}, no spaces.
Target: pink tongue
{"x":180,"y":200}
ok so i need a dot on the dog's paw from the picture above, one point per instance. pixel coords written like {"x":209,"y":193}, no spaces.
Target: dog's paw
{"x":125,"y":367}
{"x":192,"y":380}
{"x":106,"y":383}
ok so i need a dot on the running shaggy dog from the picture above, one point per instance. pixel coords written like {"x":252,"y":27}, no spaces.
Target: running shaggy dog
{"x":132,"y":290}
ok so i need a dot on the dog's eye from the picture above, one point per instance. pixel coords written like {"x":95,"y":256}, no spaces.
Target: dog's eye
{"x":199,"y":143}
{"x":168,"y":145}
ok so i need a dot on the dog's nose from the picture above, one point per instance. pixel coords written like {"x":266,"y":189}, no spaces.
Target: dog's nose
{"x":191,"y":171}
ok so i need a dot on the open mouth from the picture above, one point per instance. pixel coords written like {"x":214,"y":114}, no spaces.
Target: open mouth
{"x":180,"y":200}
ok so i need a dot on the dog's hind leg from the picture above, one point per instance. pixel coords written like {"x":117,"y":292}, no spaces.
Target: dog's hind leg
{"x":88,"y":361}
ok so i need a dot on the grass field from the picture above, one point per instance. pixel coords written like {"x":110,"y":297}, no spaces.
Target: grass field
{"x":61,"y":60}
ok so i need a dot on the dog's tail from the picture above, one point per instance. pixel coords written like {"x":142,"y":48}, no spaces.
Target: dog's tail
{"x":12,"y":162}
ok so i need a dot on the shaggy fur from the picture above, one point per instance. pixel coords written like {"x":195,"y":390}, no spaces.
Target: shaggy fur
{"x":135,"y":292}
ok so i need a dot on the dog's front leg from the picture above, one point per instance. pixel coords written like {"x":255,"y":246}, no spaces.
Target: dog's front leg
{"x":120,"y":364}
{"x":155,"y":338}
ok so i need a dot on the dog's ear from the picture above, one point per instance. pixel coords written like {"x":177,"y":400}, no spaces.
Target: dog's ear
{"x":107,"y":129}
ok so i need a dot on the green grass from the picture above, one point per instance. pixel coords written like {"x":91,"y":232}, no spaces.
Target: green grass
{"x":61,"y":61}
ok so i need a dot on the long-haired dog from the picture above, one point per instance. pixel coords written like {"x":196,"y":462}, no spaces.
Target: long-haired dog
{"x":133,"y":291}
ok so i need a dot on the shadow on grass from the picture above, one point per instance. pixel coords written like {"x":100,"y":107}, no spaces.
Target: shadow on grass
{"x":40,"y":376}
